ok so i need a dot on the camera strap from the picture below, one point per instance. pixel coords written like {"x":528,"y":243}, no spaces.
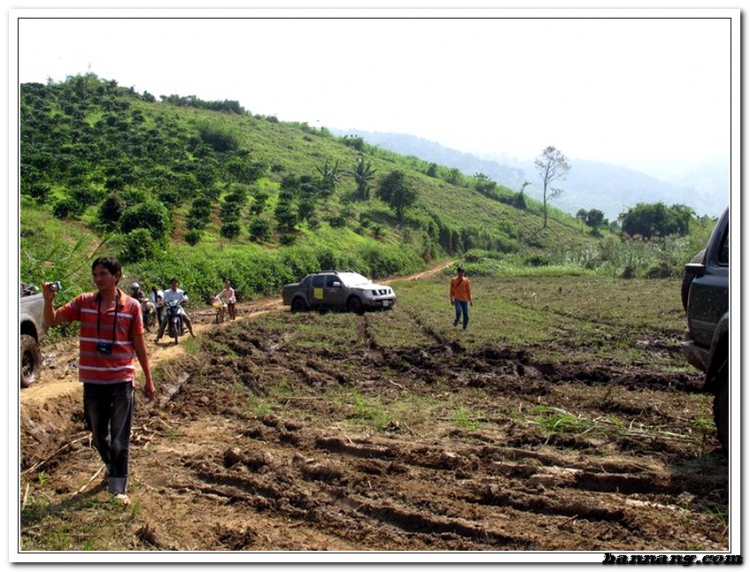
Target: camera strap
{"x":99,"y":316}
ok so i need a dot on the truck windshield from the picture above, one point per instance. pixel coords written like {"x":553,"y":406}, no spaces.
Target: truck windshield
{"x":353,"y":279}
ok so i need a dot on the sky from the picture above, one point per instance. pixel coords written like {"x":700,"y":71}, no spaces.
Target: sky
{"x":623,"y":87}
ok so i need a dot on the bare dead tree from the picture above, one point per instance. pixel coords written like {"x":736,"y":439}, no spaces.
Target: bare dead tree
{"x":552,"y":166}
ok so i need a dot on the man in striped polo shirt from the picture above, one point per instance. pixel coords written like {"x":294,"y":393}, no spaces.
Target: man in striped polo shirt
{"x":111,"y":337}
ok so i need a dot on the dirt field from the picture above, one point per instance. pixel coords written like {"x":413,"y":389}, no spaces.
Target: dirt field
{"x":212,"y":471}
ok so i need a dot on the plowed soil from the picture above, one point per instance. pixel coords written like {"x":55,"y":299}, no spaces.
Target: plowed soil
{"x":211,"y":473}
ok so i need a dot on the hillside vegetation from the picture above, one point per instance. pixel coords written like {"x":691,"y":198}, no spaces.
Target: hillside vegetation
{"x":207,"y":191}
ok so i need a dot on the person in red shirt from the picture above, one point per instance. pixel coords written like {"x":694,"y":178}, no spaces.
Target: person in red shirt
{"x":111,"y":337}
{"x":460,"y":295}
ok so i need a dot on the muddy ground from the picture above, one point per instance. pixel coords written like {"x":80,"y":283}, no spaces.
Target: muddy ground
{"x":211,"y":474}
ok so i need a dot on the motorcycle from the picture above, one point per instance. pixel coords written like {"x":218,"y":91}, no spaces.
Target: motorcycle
{"x":221,"y":310}
{"x":174,"y":320}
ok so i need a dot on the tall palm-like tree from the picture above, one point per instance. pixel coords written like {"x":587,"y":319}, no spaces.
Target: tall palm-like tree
{"x":363,"y":174}
{"x":330,"y":175}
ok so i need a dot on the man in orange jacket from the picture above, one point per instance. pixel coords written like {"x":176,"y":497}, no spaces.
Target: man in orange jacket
{"x":460,"y":295}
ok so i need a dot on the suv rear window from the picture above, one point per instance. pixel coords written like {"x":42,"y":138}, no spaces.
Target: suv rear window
{"x":724,"y":248}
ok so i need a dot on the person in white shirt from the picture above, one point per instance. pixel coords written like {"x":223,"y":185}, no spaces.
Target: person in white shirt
{"x":231,"y":300}
{"x":174,"y":293}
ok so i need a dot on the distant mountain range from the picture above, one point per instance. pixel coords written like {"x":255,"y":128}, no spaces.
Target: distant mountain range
{"x":589,"y":185}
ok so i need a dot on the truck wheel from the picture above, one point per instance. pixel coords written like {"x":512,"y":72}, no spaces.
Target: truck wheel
{"x":354,"y":305}
{"x":721,"y":406}
{"x":298,"y":305}
{"x":31,"y":360}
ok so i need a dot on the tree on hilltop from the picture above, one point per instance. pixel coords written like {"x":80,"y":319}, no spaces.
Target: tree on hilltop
{"x":396,"y":191}
{"x":552,"y":166}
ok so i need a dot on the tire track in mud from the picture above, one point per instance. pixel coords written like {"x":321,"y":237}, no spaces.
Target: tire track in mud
{"x":409,"y":494}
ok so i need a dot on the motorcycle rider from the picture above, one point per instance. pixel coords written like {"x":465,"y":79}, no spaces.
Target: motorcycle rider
{"x":174,"y":293}
{"x":231,"y":299}
{"x":139,"y":295}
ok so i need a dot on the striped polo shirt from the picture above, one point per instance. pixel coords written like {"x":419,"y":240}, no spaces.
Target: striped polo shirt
{"x":94,"y":366}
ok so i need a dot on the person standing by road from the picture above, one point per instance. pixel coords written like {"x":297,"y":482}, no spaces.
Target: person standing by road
{"x":111,"y":337}
{"x":175,"y":294}
{"x":460,"y":296}
{"x":157,"y":299}
{"x":228,"y":293}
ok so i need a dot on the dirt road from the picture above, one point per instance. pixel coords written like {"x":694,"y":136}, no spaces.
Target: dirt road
{"x":212,"y":470}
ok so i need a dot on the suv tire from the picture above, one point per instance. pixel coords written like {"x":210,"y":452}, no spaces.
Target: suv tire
{"x":298,"y":305}
{"x":721,"y":405}
{"x":31,"y":360}
{"x":354,"y":305}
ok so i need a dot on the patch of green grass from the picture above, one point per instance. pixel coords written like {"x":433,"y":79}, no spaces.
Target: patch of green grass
{"x":256,"y":406}
{"x":370,"y":411}
{"x":466,"y":418}
{"x":192,"y":345}
{"x":556,"y":421}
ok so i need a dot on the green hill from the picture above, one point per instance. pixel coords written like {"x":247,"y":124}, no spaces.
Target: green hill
{"x":205,"y":190}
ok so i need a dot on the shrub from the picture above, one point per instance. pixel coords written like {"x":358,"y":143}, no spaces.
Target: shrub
{"x":660,"y":270}
{"x":260,"y":230}
{"x":537,"y":260}
{"x":67,"y":208}
{"x":338,"y":221}
{"x":519,"y":201}
{"x":150,"y":215}
{"x":193,"y":237}
{"x":287,"y":239}
{"x":38,"y":191}
{"x":219,"y":136}
{"x":137,"y":245}
{"x":111,"y":210}
{"x":230,"y":229}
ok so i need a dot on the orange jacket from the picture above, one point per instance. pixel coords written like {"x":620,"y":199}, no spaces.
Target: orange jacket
{"x":460,"y":289}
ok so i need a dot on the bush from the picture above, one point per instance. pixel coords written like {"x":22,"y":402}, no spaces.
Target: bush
{"x":219,"y":136}
{"x":137,"y":245}
{"x":537,"y":260}
{"x":661,"y":270}
{"x":111,"y":210}
{"x":38,"y":191}
{"x":287,"y":239}
{"x":67,"y":208}
{"x":260,"y":230}
{"x":230,"y":229}
{"x":150,"y":215}
{"x":193,"y":237}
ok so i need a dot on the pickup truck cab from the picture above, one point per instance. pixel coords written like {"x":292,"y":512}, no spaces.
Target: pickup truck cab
{"x":706,"y":342}
{"x":335,"y":290}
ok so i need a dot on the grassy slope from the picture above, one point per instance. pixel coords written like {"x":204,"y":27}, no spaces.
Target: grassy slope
{"x":295,"y":149}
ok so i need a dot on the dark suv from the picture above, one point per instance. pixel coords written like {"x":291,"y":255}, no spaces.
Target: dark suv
{"x":706,"y":299}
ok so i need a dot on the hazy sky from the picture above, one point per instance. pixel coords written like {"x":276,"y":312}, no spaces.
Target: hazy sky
{"x":622,"y":87}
